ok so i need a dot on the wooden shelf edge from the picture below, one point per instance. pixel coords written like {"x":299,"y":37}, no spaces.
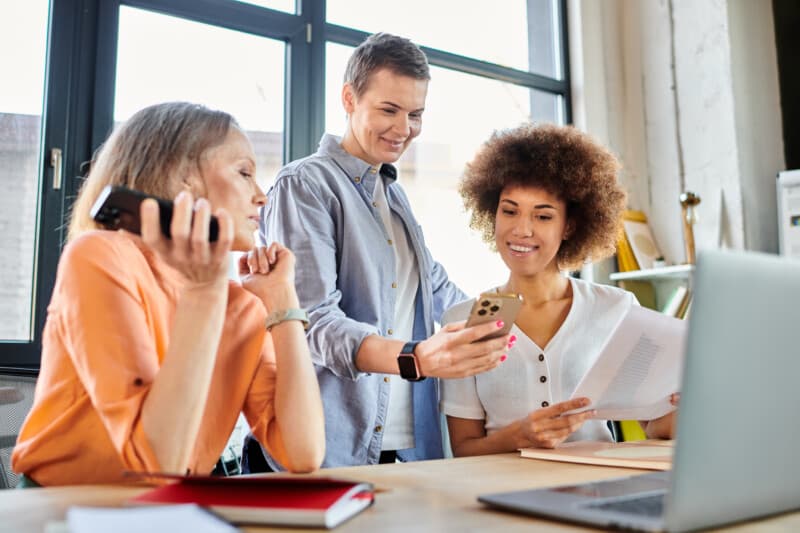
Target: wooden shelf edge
{"x":673,"y":271}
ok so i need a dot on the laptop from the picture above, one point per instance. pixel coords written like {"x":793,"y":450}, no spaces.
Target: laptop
{"x":736,"y":452}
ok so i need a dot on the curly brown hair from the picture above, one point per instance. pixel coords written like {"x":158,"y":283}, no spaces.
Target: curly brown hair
{"x":564,"y":162}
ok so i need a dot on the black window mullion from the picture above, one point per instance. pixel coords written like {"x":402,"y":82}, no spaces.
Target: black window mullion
{"x":449,"y":60}
{"x":565,"y":63}
{"x":239,"y":16}
{"x":315,"y":14}
{"x":64,"y":126}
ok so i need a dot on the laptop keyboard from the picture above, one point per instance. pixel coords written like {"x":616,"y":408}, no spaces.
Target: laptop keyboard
{"x":652,"y":505}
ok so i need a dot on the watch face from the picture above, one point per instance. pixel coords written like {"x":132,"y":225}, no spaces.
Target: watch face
{"x":408,"y":366}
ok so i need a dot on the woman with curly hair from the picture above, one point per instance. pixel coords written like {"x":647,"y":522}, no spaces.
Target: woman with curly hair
{"x":548,"y":200}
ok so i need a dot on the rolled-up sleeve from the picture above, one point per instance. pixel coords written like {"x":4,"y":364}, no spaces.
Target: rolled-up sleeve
{"x":111,"y":344}
{"x":299,"y":217}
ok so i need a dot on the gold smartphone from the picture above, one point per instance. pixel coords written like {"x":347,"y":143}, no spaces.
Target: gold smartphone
{"x":494,"y":306}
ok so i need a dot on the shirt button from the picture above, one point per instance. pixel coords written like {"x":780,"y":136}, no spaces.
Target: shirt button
{"x":543,"y":379}
{"x":390,"y":331}
{"x":373,"y":170}
{"x":386,"y":379}
{"x":357,"y":179}
{"x":545,"y":404}
{"x":394,"y":285}
{"x":378,"y":429}
{"x":374,"y":204}
{"x":541,"y":357}
{"x":389,"y":241}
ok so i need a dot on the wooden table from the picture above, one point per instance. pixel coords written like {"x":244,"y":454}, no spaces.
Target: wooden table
{"x":436,"y":496}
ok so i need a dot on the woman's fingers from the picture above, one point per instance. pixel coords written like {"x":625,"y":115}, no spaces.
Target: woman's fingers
{"x":263,"y":260}
{"x":549,"y":426}
{"x":188,"y":248}
{"x":150,"y":226}
{"x":201,"y":216}
{"x":557,"y":409}
{"x":181,"y":225}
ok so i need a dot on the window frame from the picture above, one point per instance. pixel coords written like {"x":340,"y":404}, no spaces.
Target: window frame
{"x":79,"y":103}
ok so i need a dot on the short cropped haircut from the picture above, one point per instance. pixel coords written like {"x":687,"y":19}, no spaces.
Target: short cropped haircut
{"x":564,"y":162}
{"x":383,"y":50}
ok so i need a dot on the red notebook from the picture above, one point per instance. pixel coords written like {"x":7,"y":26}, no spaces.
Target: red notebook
{"x":268,"y":500}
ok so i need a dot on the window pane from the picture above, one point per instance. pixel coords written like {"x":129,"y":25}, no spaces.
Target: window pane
{"x":499,"y":33}
{"x":163,"y":58}
{"x":23,"y":29}
{"x":431,"y":168}
{"x":547,"y":107}
{"x":279,"y":5}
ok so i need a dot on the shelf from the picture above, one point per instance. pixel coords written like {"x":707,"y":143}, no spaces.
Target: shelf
{"x":668,"y":272}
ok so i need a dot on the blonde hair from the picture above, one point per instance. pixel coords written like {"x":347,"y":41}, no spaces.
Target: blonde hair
{"x":150,"y":152}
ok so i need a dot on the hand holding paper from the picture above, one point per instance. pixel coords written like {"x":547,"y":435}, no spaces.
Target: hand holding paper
{"x":638,"y":368}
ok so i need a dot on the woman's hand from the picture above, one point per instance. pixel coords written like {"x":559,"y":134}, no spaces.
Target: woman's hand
{"x":663,"y":427}
{"x":268,"y":272}
{"x":548,"y":427}
{"x":455,"y":351}
{"x":188,"y":251}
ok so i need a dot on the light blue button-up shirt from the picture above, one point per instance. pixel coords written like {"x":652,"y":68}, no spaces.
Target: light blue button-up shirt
{"x":321,"y":207}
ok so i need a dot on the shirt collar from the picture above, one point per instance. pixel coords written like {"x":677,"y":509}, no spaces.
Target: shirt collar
{"x":357,"y":170}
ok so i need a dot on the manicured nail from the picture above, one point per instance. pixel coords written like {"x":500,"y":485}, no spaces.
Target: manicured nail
{"x":503,"y":358}
{"x":500,"y":324}
{"x":512,"y":339}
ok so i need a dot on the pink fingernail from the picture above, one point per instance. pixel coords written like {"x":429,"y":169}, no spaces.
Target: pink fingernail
{"x":503,"y":358}
{"x":511,"y":344}
{"x":512,"y":339}
{"x":500,"y":324}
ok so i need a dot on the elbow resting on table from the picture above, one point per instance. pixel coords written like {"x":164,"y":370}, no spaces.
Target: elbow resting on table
{"x":307,"y":460}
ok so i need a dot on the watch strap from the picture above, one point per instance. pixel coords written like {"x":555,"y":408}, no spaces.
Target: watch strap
{"x":408,"y":364}
{"x":409,"y":347}
{"x":283,"y":315}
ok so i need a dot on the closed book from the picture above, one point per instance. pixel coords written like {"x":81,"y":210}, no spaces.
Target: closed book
{"x":675,"y":301}
{"x":626,"y":260}
{"x":320,"y":502}
{"x":646,"y":454}
{"x":687,"y":301}
{"x":642,"y":243}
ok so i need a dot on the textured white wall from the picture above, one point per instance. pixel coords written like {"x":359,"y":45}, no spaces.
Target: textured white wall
{"x":685,"y":92}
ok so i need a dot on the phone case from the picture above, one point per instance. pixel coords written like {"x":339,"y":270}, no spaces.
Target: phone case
{"x":118,"y":208}
{"x":494,"y":306}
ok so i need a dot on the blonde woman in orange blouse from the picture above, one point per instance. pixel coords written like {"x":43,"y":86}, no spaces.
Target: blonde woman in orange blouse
{"x":149,"y":351}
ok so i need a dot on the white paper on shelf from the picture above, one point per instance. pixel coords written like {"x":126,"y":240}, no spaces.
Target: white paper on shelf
{"x":638,"y":368}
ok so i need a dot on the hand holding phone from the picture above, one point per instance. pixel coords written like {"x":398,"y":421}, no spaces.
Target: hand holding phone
{"x":494,"y":306}
{"x":117,"y":207}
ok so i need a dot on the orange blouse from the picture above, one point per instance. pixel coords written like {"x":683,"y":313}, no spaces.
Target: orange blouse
{"x":106,"y":335}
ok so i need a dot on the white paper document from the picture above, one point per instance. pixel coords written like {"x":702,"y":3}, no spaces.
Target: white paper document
{"x":638,"y":368}
{"x":150,"y":519}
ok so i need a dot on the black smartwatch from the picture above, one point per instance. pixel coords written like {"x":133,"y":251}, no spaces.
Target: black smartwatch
{"x":407,"y":362}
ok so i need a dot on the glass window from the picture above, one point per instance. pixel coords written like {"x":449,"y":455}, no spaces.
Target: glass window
{"x":23,"y":29}
{"x":163,"y":58}
{"x":279,"y":5}
{"x":461,"y":112}
{"x":519,"y":34}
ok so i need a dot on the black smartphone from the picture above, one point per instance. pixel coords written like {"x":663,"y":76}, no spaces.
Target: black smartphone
{"x":118,"y":208}
{"x":494,"y":306}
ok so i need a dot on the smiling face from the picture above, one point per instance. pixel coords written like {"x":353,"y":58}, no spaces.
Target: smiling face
{"x":227,"y":180}
{"x":530,"y":225}
{"x":385,"y":118}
